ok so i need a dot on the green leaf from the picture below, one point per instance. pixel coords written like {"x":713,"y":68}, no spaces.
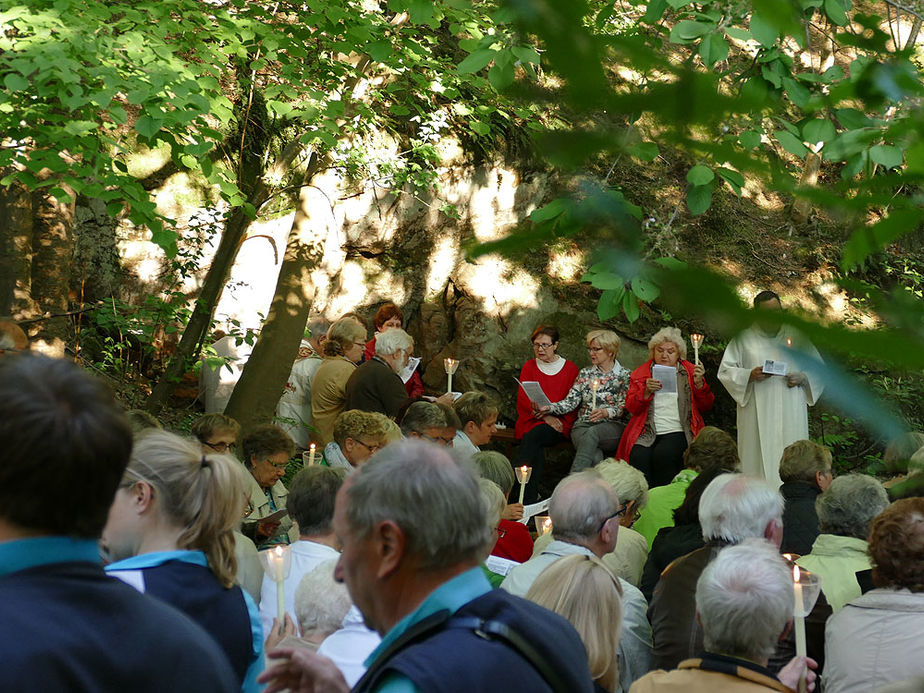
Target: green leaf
{"x":549,"y":211}
{"x":797,"y":93}
{"x":607,"y":280}
{"x":630,"y":307}
{"x":646,"y":151}
{"x":818,"y":130}
{"x":790,"y":143}
{"x":699,"y":198}
{"x":763,"y":31}
{"x":733,"y":178}
{"x":700,"y":175}
{"x":654,"y":11}
{"x":479,"y":127}
{"x":749,"y":139}
{"x":738,"y":33}
{"x":645,"y":290}
{"x":686,"y":31}
{"x":526,"y":54}
{"x":677,"y":4}
{"x":148,"y":126}
{"x":713,"y":49}
{"x":886,"y":155}
{"x":610,"y":304}
{"x":870,"y":239}
{"x":851,"y":118}
{"x":501,"y":74}
{"x":835,"y":11}
{"x":379,"y":50}
{"x":476,"y":61}
{"x":16,"y":82}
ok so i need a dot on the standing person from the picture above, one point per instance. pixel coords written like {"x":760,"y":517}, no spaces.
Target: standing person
{"x":66,"y":626}
{"x":555,"y":375}
{"x":388,"y":317}
{"x":343,"y":349}
{"x":294,"y":407}
{"x":413,"y":529}
{"x":599,"y":396}
{"x":664,"y":423}
{"x":169,"y":534}
{"x":772,"y":410}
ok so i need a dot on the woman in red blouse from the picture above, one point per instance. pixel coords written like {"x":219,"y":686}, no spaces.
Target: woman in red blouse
{"x":513,"y":539}
{"x":556,"y":376}
{"x":386,"y":317}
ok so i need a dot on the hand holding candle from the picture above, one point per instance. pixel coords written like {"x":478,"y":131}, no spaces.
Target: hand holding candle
{"x":451,"y":365}
{"x":697,"y":341}
{"x":276,"y":562}
{"x":523,"y":473}
{"x":806,"y":587}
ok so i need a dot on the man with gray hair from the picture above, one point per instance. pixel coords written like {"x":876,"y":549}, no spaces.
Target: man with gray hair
{"x":585,"y":512}
{"x":845,"y":511}
{"x":413,"y":532}
{"x":376,"y":385}
{"x":425,"y":420}
{"x":744,"y":602}
{"x":734,"y":507}
{"x":294,"y":407}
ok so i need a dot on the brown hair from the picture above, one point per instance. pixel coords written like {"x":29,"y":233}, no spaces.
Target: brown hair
{"x":712,"y":448}
{"x":265,"y":440}
{"x":896,"y":545}
{"x":354,"y":423}
{"x":549,"y":331}
{"x":209,"y":424}
{"x":341,"y":335}
{"x":802,"y":460}
{"x":474,"y":406}
{"x":386,"y":312}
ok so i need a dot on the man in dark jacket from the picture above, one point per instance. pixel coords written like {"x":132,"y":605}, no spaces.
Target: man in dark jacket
{"x":412,"y":527}
{"x":376,"y":385}
{"x":805,"y":469}
{"x":66,"y":625}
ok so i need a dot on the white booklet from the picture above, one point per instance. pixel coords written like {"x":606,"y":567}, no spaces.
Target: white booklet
{"x":776,"y":367}
{"x":533,"y":509}
{"x":409,"y":369}
{"x":498,"y":565}
{"x":667,"y":376}
{"x":534,"y":391}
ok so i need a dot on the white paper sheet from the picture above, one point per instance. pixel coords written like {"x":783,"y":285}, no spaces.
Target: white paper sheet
{"x":776,"y":367}
{"x":499,"y":566}
{"x":533,"y":509}
{"x":667,"y":376}
{"x":409,"y":369}
{"x":534,"y":391}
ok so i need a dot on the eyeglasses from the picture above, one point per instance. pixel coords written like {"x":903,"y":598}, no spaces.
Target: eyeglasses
{"x":221,"y":446}
{"x":277,"y":466}
{"x":439,"y":440}
{"x":543,"y":347}
{"x":618,"y":513}
{"x":595,"y":350}
{"x":371,"y":448}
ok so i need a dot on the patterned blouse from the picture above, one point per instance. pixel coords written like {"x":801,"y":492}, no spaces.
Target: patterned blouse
{"x":611,"y":393}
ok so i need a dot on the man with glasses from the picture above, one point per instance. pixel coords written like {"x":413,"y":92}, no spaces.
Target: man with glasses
{"x":426,"y":420}
{"x":357,"y":436}
{"x":585,"y":516}
{"x":216,"y":433}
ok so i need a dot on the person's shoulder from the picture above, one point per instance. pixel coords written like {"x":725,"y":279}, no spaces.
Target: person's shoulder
{"x":644,"y":370}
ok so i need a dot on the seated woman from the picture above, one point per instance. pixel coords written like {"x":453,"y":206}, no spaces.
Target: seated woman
{"x":267,"y":450}
{"x":513,"y":541}
{"x":389,"y":316}
{"x":357,"y":436}
{"x":664,"y":423}
{"x":535,"y":432}
{"x":584,"y":591}
{"x":343,"y":349}
{"x":599,"y":395}
{"x":170,"y":534}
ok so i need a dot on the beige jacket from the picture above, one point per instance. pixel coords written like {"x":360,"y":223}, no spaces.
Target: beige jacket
{"x":261,"y":507}
{"x":328,"y":397}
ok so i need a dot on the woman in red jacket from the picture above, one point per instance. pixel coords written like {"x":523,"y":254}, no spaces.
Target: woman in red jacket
{"x":664,"y":423}
{"x":555,"y":375}
{"x":386,"y":317}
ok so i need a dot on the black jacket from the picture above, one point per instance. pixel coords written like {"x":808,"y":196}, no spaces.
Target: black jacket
{"x":800,"y":523}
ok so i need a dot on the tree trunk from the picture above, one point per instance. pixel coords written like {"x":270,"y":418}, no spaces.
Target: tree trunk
{"x":802,"y":207}
{"x":52,"y":258}
{"x":15,"y":251}
{"x":264,"y":376}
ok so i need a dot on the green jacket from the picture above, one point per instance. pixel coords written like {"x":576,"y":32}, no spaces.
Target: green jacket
{"x":836,"y":560}
{"x":662,"y":502}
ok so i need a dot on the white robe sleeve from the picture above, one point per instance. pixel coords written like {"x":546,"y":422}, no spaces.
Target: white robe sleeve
{"x":734,"y":373}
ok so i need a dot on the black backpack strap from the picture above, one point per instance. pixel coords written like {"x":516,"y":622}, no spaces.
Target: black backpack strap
{"x":495,"y":630}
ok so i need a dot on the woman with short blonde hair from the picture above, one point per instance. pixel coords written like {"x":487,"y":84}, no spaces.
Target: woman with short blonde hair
{"x":599,"y":395}
{"x":584,"y":591}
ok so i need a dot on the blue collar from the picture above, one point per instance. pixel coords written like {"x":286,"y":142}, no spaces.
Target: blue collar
{"x":451,"y":595}
{"x":29,"y":553}
{"x":150,"y":560}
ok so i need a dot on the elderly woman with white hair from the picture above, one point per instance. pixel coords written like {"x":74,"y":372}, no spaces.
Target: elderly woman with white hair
{"x":664,"y":423}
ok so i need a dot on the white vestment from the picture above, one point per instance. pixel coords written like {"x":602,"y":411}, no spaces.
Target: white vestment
{"x":771,"y":415}
{"x":294,"y":407}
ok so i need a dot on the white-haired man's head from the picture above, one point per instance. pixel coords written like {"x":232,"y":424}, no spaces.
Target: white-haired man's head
{"x":585,"y":510}
{"x":321,"y":603}
{"x":744,"y":600}
{"x":735,"y":507}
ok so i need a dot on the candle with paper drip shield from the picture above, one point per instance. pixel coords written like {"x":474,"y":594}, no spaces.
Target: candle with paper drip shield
{"x":523,"y":474}
{"x":806,"y":588}
{"x":451,"y":366}
{"x":543,"y":524}
{"x":308,"y":457}
{"x":697,"y":341}
{"x":594,"y":386}
{"x":277,"y":562}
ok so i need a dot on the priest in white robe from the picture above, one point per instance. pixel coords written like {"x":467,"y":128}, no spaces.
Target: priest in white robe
{"x":772,"y":409}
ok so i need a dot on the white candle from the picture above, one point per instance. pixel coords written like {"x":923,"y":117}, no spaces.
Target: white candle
{"x":277,"y":560}
{"x":311,"y":449}
{"x":697,"y":340}
{"x":524,"y":477}
{"x":547,"y":525}
{"x":450,"y":365}
{"x":799,"y":621}
{"x":593,"y":388}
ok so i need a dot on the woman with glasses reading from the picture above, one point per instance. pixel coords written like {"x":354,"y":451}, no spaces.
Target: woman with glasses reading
{"x":267,"y":450}
{"x":599,"y":397}
{"x":536,"y":432}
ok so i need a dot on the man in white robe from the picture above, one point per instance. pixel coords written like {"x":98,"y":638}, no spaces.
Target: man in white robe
{"x":772,"y":409}
{"x":294,"y":407}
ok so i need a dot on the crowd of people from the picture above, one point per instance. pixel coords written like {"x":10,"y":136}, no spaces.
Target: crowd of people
{"x":134,"y":558}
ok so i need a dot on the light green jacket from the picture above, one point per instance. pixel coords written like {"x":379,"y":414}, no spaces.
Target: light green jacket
{"x":662,"y":501}
{"x":836,"y":560}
